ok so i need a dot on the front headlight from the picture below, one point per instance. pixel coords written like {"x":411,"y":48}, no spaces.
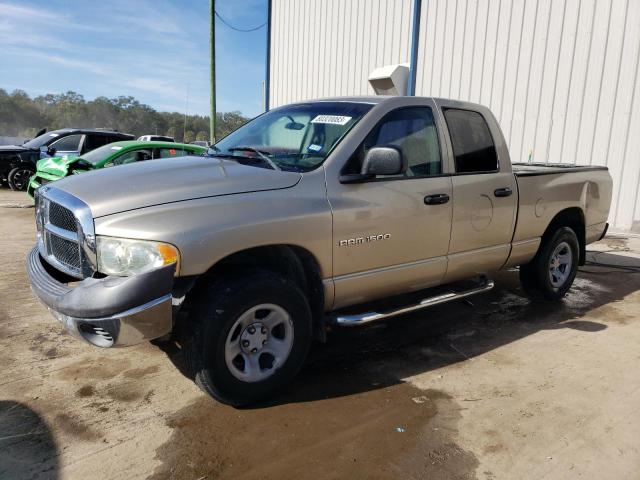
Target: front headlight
{"x":124,"y":257}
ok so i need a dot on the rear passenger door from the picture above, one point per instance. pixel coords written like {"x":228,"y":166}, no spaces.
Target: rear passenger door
{"x":484,"y":196}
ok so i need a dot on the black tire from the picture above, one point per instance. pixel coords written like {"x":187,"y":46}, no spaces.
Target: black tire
{"x":19,"y":176}
{"x":535,"y":276}
{"x":216,"y":308}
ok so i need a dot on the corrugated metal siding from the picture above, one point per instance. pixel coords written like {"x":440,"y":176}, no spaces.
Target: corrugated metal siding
{"x":322,"y":48}
{"x":561,"y":76}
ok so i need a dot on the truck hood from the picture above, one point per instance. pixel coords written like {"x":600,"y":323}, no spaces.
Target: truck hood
{"x":58,"y":166}
{"x":153,"y":182}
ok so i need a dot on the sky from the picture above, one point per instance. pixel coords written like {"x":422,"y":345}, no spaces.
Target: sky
{"x":154,"y":50}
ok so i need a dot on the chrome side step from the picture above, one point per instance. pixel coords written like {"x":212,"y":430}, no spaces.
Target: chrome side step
{"x":368,"y":317}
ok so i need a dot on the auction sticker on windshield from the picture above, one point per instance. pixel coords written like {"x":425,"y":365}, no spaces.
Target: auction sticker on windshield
{"x":332,"y":119}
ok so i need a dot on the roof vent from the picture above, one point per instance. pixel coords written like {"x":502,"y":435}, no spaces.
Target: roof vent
{"x":390,"y":79}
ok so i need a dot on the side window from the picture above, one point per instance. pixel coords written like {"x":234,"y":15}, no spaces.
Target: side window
{"x":413,"y":131}
{"x":130,"y":157}
{"x":94,"y":141}
{"x":70,"y":143}
{"x":473,"y":146}
{"x":169,"y":153}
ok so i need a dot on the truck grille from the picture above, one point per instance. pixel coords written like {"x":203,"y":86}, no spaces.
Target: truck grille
{"x":58,"y":236}
{"x":64,"y":251}
{"x":62,"y":217}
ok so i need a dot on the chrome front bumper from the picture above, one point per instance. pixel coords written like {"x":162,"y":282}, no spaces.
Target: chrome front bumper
{"x":107,"y":312}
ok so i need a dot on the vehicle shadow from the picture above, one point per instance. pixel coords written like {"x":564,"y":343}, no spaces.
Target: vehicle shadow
{"x":361,"y":359}
{"x":27,"y":446}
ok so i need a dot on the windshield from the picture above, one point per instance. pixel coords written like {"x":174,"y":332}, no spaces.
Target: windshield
{"x":44,"y":139}
{"x":296,"y":138}
{"x":99,"y":154}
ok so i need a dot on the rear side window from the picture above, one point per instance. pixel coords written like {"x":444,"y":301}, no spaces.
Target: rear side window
{"x":170,"y":152}
{"x":473,"y":146}
{"x":94,"y":141}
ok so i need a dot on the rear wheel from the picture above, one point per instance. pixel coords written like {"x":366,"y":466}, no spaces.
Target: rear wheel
{"x":248,"y":338}
{"x":18,"y":177}
{"x":551,"y":273}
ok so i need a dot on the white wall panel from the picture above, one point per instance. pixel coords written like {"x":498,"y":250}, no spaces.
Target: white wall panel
{"x":322,"y":48}
{"x":560,"y":75}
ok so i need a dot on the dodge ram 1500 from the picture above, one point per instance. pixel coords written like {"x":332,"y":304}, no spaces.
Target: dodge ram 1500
{"x":305,"y":217}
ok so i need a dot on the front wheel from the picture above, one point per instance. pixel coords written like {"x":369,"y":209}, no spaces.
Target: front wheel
{"x":18,"y":177}
{"x":248,"y":337}
{"x":551,"y":273}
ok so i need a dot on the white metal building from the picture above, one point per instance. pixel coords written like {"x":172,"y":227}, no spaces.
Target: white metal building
{"x":561,"y":76}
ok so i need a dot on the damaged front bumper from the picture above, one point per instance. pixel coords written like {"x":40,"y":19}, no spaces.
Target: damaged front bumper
{"x":110,"y":311}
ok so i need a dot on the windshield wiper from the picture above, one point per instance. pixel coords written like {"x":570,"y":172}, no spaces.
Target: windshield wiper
{"x":255,"y":150}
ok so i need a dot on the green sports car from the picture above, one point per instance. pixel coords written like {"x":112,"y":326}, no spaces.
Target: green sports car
{"x":117,"y":153}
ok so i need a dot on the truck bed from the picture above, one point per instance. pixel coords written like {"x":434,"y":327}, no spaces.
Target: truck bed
{"x":546,"y":189}
{"x":533,"y":169}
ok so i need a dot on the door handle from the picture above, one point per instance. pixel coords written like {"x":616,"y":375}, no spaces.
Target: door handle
{"x":502,"y":192}
{"x":436,"y":199}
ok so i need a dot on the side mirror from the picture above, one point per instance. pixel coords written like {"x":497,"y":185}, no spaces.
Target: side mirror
{"x":383,"y":161}
{"x":51,"y":151}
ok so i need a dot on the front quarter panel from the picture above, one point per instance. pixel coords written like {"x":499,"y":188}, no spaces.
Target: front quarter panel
{"x":206,"y":230}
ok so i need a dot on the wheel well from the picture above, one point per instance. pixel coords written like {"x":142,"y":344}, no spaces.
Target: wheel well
{"x":290,"y":261}
{"x":18,"y":162}
{"x":574,"y":219}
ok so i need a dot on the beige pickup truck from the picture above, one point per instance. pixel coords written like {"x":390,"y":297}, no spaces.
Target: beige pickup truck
{"x":305,"y":217}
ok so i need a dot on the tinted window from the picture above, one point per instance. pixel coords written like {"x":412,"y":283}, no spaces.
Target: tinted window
{"x":413,"y":132}
{"x":94,"y":141}
{"x":473,"y":146}
{"x":70,"y":143}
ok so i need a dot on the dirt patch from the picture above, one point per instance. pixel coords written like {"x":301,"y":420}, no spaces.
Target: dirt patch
{"x":396,"y":431}
{"x":138,"y":373}
{"x":51,"y":353}
{"x":92,"y":370}
{"x":86,"y":391}
{"x":124,"y":392}
{"x":75,"y":427}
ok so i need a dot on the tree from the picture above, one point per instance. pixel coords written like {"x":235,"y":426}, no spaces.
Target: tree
{"x":202,"y":136}
{"x":189,"y":136}
{"x":228,"y":122}
{"x":171,"y":132}
{"x":21,"y":115}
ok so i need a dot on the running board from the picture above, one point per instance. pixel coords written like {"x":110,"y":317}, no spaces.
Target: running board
{"x":368,"y":317}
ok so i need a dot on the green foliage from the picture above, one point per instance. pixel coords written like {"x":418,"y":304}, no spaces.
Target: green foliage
{"x":23,"y":116}
{"x":189,"y":136}
{"x":202,"y":136}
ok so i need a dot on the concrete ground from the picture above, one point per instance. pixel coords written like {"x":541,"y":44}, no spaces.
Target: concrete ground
{"x":501,"y":389}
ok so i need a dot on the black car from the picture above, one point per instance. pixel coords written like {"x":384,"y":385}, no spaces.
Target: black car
{"x":18,"y":163}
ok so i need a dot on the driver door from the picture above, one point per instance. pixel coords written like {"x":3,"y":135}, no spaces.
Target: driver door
{"x":389,"y":237}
